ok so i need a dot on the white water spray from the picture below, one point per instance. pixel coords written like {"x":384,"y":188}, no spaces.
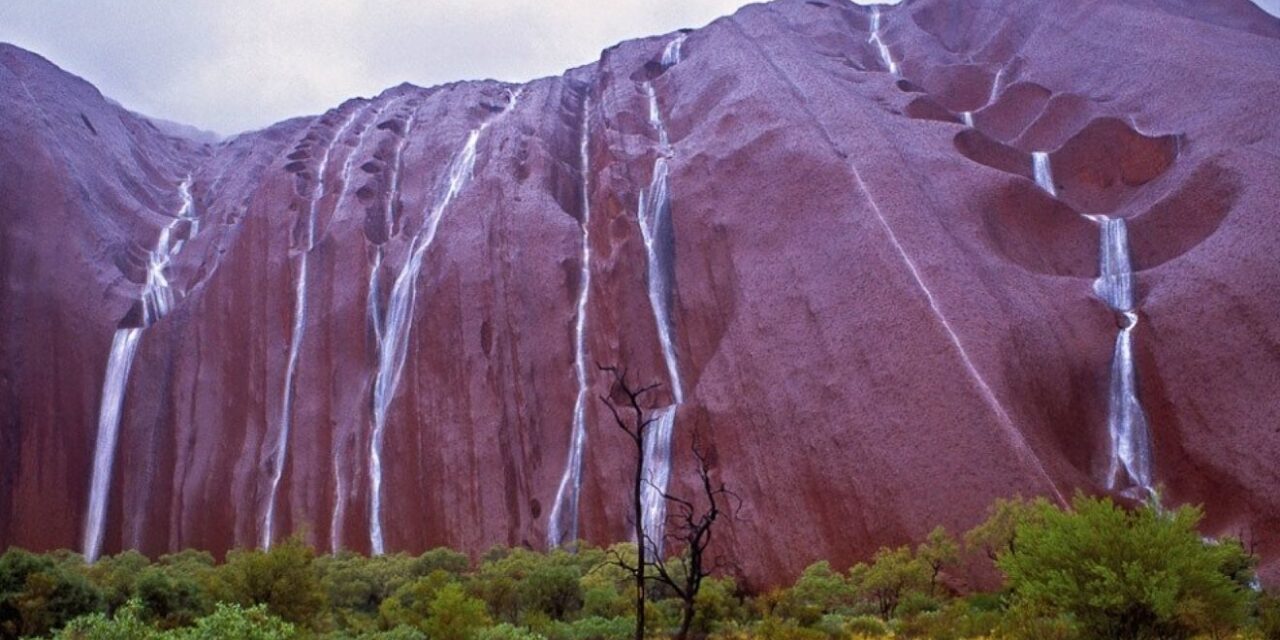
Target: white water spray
{"x":394,"y":335}
{"x":967,"y":117}
{"x":1130,"y":455}
{"x":562,"y":527}
{"x":281,"y":449}
{"x":885,"y":55}
{"x":1043,"y":172}
{"x":157,"y":300}
{"x":655,"y":221}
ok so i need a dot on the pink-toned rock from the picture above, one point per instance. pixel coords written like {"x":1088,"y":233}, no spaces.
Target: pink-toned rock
{"x":881,"y":323}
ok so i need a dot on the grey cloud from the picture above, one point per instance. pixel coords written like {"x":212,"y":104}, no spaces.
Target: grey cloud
{"x":232,"y":65}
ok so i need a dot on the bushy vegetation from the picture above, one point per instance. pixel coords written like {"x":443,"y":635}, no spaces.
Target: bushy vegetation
{"x":1096,"y":570}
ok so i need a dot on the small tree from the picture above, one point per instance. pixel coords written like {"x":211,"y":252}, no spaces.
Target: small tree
{"x":938,"y":552}
{"x":997,"y":535}
{"x":690,"y":527}
{"x":625,"y":403}
{"x":891,"y":574}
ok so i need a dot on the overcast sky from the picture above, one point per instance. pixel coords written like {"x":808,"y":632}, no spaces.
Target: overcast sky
{"x":233,"y":65}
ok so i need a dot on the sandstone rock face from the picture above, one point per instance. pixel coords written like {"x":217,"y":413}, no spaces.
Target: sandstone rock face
{"x":880,"y":322}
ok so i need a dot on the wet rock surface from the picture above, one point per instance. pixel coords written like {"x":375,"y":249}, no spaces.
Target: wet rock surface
{"x":881,"y":323}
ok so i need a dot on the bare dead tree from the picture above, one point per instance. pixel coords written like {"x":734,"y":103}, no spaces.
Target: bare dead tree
{"x":689,"y":527}
{"x":625,"y":403}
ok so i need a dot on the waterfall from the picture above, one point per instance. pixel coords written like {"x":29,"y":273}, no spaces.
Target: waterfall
{"x":566,"y":506}
{"x":394,"y":333}
{"x":1043,"y":172}
{"x":967,"y":116}
{"x":671,"y":54}
{"x":123,"y":347}
{"x":1130,"y":454}
{"x":157,"y":300}
{"x":885,"y":56}
{"x":388,"y":217}
{"x":281,"y":449}
{"x":995,"y":87}
{"x":655,"y":221}
{"x":340,"y":483}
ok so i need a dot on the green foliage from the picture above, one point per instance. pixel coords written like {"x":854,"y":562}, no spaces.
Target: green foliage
{"x":410,"y":605}
{"x":1120,"y":574}
{"x":518,"y":583}
{"x":284,"y":579}
{"x":998,"y":533}
{"x":171,"y":597}
{"x":591,"y":628}
{"x":234,"y":621}
{"x":454,"y":615}
{"x":1095,"y":571}
{"x":892,"y":574}
{"x":954,"y":621}
{"x":820,"y":590}
{"x":718,"y":603}
{"x":117,"y":576}
{"x":401,"y":632}
{"x":937,"y":552}
{"x":774,"y":628}
{"x":866,"y":627}
{"x":1269,"y":617}
{"x":227,"y":621}
{"x":127,"y":624}
{"x":508,"y":631}
{"x":39,"y":594}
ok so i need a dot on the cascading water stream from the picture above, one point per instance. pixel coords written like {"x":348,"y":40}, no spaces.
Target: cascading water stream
{"x":340,"y":489}
{"x":1129,"y":459}
{"x":967,"y":117}
{"x":394,"y":333}
{"x":655,"y":221}
{"x":375,"y":273}
{"x":995,"y":87}
{"x":281,"y":449}
{"x":1043,"y":172}
{"x":1130,"y":455}
{"x":157,"y":300}
{"x":562,"y":527}
{"x":885,"y":56}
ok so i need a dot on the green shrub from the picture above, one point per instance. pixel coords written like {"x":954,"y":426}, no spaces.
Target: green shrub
{"x":914,"y":603}
{"x":117,"y":577}
{"x":774,"y":628}
{"x":401,"y":632}
{"x":1269,"y":616}
{"x":1121,"y":574}
{"x":866,"y":627}
{"x":38,"y":595}
{"x":284,"y":579}
{"x":831,"y":624}
{"x":506,"y":631}
{"x":411,"y":604}
{"x":818,"y":591}
{"x":454,"y":615}
{"x":892,"y":574}
{"x":718,"y":603}
{"x":955,"y":621}
{"x":126,"y":624}
{"x":234,"y":621}
{"x":171,"y":598}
